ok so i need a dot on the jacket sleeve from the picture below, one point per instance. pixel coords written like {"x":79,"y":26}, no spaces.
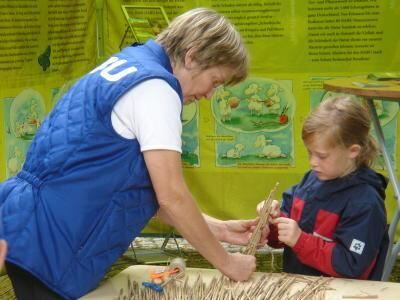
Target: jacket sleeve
{"x":287,"y":200}
{"x":356,"y":240}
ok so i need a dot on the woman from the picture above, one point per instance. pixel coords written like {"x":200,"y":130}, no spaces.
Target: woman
{"x":108,"y":158}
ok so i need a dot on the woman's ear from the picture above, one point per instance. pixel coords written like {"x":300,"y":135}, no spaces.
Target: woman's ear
{"x":354,"y":150}
{"x":189,"y":59}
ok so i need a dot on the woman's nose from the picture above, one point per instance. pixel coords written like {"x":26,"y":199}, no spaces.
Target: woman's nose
{"x":210,"y":93}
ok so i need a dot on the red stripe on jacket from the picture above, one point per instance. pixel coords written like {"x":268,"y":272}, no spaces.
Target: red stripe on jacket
{"x":315,"y":252}
{"x":297,"y":209}
{"x":367,"y":272}
{"x":326,"y":223}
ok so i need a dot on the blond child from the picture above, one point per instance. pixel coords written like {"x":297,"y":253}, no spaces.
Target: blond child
{"x":333,"y":223}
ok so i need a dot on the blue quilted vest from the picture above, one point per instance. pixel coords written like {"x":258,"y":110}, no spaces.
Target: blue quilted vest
{"x":84,"y":192}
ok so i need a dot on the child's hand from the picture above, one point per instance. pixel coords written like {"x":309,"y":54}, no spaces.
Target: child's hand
{"x":264,"y":236}
{"x":288,"y":230}
{"x":275,"y":210}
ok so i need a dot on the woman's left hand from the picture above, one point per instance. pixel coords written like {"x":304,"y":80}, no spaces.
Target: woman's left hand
{"x":239,"y":232}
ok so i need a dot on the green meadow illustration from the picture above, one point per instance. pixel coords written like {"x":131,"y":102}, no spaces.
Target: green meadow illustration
{"x":258,"y":114}
{"x":190,"y":135}
{"x":23,"y":114}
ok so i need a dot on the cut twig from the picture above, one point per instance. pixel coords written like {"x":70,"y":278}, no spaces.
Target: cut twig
{"x":360,"y":297}
{"x":266,"y":209}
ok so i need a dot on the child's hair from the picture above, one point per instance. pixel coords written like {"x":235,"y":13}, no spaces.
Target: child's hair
{"x":213,"y":38}
{"x":342,"y":121}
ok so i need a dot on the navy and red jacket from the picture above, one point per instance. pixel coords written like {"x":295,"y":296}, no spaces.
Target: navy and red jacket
{"x":344,"y":226}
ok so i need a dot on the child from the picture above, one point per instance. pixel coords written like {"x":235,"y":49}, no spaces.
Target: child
{"x":333,"y":222}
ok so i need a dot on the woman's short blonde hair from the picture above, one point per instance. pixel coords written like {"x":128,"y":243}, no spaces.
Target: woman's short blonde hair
{"x":213,"y":39}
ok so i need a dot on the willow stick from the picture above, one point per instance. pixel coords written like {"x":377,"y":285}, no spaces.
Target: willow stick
{"x":266,"y":209}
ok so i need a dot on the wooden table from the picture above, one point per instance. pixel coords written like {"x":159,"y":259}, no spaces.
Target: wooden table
{"x":378,"y":90}
{"x":361,"y":86}
{"x":338,"y":288}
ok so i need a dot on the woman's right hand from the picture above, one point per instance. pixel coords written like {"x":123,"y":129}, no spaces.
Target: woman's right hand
{"x":239,"y":267}
{"x":3,"y":252}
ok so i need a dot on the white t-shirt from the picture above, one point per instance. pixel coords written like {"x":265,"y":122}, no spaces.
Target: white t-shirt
{"x":151,"y":113}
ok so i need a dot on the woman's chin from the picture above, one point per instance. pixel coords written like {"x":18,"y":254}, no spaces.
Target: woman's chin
{"x":189,"y":101}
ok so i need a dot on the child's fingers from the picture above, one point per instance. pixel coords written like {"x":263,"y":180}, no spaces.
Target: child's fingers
{"x":280,"y":220}
{"x":275,"y":204}
{"x":275,"y":213}
{"x":260,"y":207}
{"x":283,"y":224}
{"x":275,"y":209}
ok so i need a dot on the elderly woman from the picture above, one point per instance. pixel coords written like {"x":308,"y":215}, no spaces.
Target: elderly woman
{"x":108,"y":158}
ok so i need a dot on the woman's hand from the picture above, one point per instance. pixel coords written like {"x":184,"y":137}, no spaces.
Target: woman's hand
{"x":238,"y":232}
{"x":3,"y":252}
{"x":239,"y":267}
